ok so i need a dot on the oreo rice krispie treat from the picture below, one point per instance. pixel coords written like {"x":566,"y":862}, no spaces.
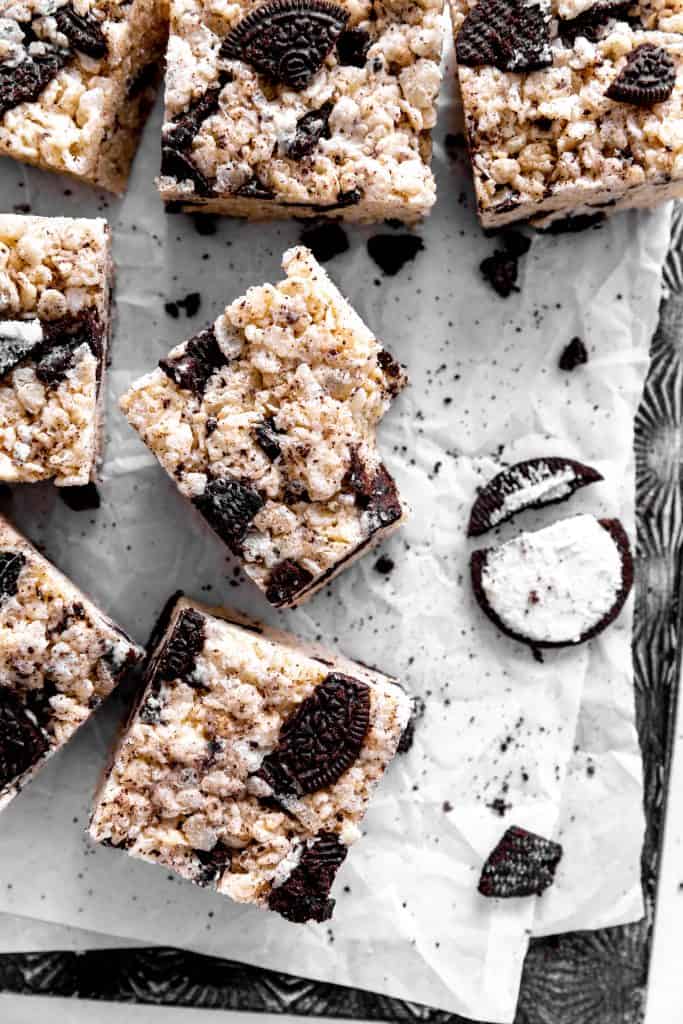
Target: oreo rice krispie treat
{"x":266,"y":422}
{"x":290,"y":108}
{"x":55,"y":279}
{"x":77,"y":79}
{"x":250,"y":760}
{"x":573,"y":107}
{"x":59,"y":658}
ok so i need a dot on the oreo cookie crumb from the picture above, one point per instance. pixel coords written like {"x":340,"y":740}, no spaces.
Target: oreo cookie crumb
{"x":392,"y":252}
{"x":501,"y":271}
{"x":384,"y":565}
{"x":408,"y":735}
{"x":304,"y":896}
{"x":286,"y":580}
{"x":575,"y":354}
{"x":352,"y":47}
{"x":190,"y":304}
{"x":22,"y":743}
{"x":229,"y":507}
{"x":177,"y":660}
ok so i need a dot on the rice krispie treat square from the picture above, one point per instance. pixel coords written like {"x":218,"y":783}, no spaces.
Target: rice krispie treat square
{"x":249,"y":761}
{"x":266,"y":422}
{"x":572,"y":108}
{"x":77,"y":79}
{"x":59,"y":658}
{"x":55,"y":280}
{"x":298,"y":108}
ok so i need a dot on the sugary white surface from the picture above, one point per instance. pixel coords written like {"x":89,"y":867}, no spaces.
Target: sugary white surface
{"x":555,"y":584}
{"x":413,"y":877}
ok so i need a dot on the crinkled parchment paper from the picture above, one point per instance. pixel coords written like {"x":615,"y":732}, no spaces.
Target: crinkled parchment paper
{"x":553,"y":743}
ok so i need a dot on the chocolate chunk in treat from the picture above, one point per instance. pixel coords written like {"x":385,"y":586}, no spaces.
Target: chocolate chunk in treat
{"x":577,"y":585}
{"x":593,"y":22}
{"x":81,"y":499}
{"x":254,"y":189}
{"x":14,"y":350}
{"x":304,"y":896}
{"x":575,"y":354}
{"x":194,"y":368}
{"x":177,"y":660}
{"x":61,"y":340}
{"x":24,"y":82}
{"x":176,"y":164}
{"x":310,"y":129}
{"x":501,"y":271}
{"x":321,"y":740}
{"x":375,"y":492}
{"x":214,"y":863}
{"x":649,"y":77}
{"x":266,"y":438}
{"x":392,"y":252}
{"x":352,"y":47}
{"x":85,"y":34}
{"x":184,"y":127}
{"x":533,"y":483}
{"x":11,"y":564}
{"x":286,"y":580}
{"x":287,"y":40}
{"x":522,"y":864}
{"x":325,"y":240}
{"x":22,"y":743}
{"x":229,"y":506}
{"x":512,"y":35}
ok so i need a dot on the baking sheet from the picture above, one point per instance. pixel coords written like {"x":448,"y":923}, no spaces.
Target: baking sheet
{"x":484,"y":375}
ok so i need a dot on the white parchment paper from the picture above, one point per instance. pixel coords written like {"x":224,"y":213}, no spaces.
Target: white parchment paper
{"x":554,"y":743}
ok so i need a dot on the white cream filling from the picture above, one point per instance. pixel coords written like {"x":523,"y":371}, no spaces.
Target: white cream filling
{"x":542,"y":485}
{"x":29,"y":331}
{"x":556,"y":584}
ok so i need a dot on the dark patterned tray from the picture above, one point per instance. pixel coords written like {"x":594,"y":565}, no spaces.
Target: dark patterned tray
{"x":595,"y":977}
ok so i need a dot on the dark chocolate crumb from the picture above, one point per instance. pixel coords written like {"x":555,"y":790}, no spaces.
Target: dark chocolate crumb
{"x":501,"y":270}
{"x":384,"y":565}
{"x":575,"y":354}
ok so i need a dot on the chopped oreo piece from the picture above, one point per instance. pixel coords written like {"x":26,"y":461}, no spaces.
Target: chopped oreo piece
{"x":85,"y":34}
{"x":193,"y":369}
{"x":392,"y":252}
{"x":11,"y":564}
{"x":513,"y":35}
{"x":522,"y":864}
{"x":592,"y":22}
{"x":285,"y":581}
{"x":547,"y":479}
{"x":184,"y":127}
{"x":266,"y":438}
{"x":287,"y":40}
{"x":376,"y":493}
{"x":310,"y":129}
{"x":352,"y":47}
{"x":649,"y":77}
{"x":177,"y":659}
{"x":81,"y":499}
{"x":575,"y":354}
{"x":304,"y":896}
{"x":61,"y":340}
{"x":229,"y":506}
{"x":22,"y":743}
{"x":24,"y":82}
{"x":213,"y":863}
{"x":176,"y":164}
{"x":501,"y":271}
{"x":325,"y":240}
{"x":321,"y":740}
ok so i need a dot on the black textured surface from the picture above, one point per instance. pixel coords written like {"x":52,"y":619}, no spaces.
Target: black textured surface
{"x":594,"y":977}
